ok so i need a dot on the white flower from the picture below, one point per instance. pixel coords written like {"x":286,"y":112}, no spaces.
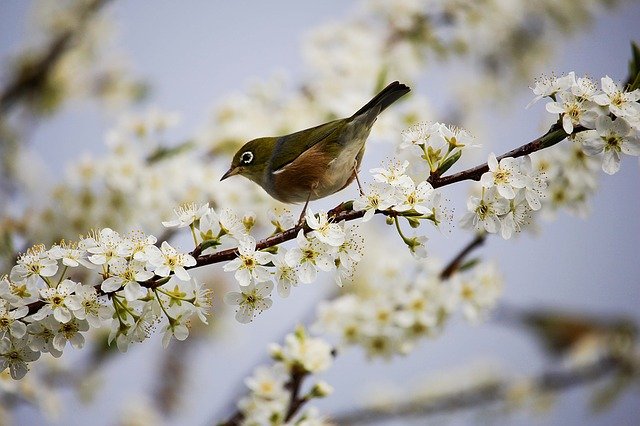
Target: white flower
{"x":187,"y":214}
{"x":621,"y":103}
{"x":440,"y":213}
{"x":59,"y":300}
{"x":41,"y":336}
{"x":483,"y":212}
{"x":167,"y":260}
{"x":175,"y":328}
{"x":395,"y":175}
{"x":10,"y":323}
{"x":378,"y":196}
{"x":412,"y":197}
{"x":15,"y":355}
{"x":423,"y":134}
{"x":90,"y":308}
{"x":309,"y":255}
{"x":350,"y":252}
{"x":505,"y":176}
{"x":250,"y":298}
{"x":574,"y":111}
{"x":71,"y":256}
{"x":269,"y":382}
{"x":285,"y":276}
{"x":108,"y":248}
{"x":231,"y":225}
{"x":549,"y":86}
{"x":128,"y":275}
{"x":480,"y":292}
{"x":249,"y":263}
{"x":584,"y":88}
{"x":457,"y":137}
{"x":70,"y":332}
{"x":33,"y":264}
{"x":202,"y":299}
{"x":325,"y":231}
{"x":282,"y":221}
{"x":517,"y":217}
{"x":312,"y":354}
{"x":536,"y":183}
{"x":611,"y":138}
{"x":418,"y":246}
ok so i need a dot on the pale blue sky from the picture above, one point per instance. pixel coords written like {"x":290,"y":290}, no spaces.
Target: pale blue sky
{"x":194,"y":53}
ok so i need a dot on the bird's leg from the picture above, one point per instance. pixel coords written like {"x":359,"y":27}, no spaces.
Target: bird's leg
{"x":306,"y":203}
{"x":355,"y":174}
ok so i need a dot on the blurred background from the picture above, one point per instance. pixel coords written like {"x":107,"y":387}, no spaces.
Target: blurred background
{"x":225,"y":72}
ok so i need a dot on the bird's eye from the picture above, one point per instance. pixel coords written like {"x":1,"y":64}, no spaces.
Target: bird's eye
{"x":246,"y":157}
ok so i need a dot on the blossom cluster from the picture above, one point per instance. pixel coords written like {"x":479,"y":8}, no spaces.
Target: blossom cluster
{"x":609,"y":112}
{"x":393,"y":189}
{"x":388,"y":320}
{"x":270,"y":400}
{"x":511,"y":190}
{"x":328,"y":246}
{"x":128,"y":285}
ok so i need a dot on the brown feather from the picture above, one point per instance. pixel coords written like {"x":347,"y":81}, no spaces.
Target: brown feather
{"x":306,"y":173}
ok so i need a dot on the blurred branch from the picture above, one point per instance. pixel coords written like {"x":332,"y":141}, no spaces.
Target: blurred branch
{"x":32,"y":78}
{"x":486,"y":394}
{"x":295,"y":382}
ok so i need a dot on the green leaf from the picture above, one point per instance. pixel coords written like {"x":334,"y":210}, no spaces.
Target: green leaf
{"x":209,"y":243}
{"x":446,"y":164}
{"x":633,"y":80}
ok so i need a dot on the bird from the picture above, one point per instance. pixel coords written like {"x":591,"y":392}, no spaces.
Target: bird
{"x":316,"y":162}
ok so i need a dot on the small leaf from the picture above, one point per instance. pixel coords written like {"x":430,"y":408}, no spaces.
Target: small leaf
{"x":450,"y":161}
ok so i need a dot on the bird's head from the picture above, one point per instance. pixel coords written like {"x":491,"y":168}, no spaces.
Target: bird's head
{"x":252,"y":159}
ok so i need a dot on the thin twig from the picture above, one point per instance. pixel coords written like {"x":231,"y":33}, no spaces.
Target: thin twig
{"x":485,"y":394}
{"x":295,"y":402}
{"x":32,"y":79}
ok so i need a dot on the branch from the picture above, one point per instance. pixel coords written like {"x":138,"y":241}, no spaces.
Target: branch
{"x":555,"y":135}
{"x":344,"y":211}
{"x":295,"y":402}
{"x":453,"y":266}
{"x":32,"y":78}
{"x":485,"y":394}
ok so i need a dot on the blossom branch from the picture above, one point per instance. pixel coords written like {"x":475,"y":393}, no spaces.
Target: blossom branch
{"x":32,"y":78}
{"x":345,"y":211}
{"x":297,"y":376}
{"x":490,"y":393}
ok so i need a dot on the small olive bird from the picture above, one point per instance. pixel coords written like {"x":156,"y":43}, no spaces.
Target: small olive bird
{"x":316,"y":162}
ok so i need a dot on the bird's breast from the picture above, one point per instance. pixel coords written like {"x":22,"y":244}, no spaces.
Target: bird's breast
{"x":319,"y":171}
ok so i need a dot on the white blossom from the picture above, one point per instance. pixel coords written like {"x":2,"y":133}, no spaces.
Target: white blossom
{"x":167,"y":260}
{"x":250,"y":298}
{"x":611,"y":138}
{"x":324,"y":230}
{"x":620,"y":103}
{"x":505,"y":176}
{"x":248,"y":266}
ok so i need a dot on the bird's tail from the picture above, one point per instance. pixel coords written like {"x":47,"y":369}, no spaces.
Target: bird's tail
{"x":386,"y":97}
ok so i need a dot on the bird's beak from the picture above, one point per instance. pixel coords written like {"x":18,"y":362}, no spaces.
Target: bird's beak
{"x":232,"y":171}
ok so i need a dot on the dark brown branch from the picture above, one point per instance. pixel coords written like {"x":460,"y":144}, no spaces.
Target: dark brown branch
{"x":555,"y":135}
{"x":344,"y":211}
{"x":31,"y":79}
{"x":456,"y":262}
{"x":485,"y":394}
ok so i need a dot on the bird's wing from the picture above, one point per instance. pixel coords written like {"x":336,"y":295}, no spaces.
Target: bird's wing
{"x":290,"y":147}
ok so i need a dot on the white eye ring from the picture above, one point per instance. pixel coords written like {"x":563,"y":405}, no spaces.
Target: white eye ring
{"x":246,"y":157}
